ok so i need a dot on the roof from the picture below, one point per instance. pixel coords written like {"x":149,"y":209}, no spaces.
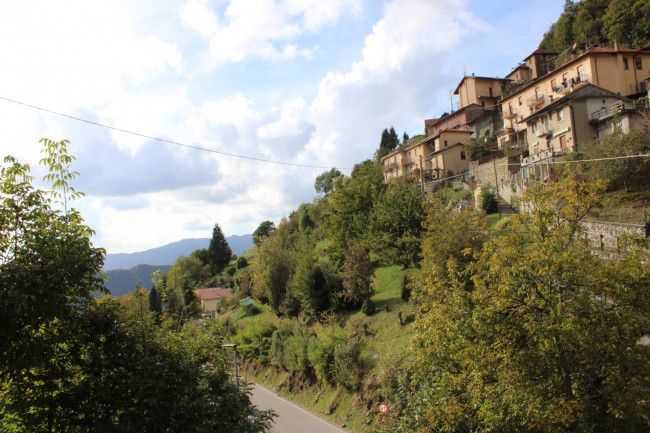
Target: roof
{"x":540,"y":51}
{"x":588,"y":91}
{"x":516,"y":68}
{"x":477,"y":78}
{"x":212,"y":293}
{"x":444,"y":149}
{"x":595,"y":50}
{"x":445,"y":116}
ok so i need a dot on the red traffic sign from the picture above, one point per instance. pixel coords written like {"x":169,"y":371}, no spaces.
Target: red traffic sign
{"x":383,"y":408}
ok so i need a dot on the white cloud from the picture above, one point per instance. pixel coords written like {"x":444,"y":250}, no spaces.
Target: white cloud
{"x":198,"y":16}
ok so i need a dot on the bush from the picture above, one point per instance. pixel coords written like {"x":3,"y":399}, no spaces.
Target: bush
{"x":289,"y":350}
{"x":255,"y":341}
{"x":489,"y":202}
{"x":346,"y":365}
{"x":335,"y":360}
{"x":368,"y":308}
{"x":247,"y":310}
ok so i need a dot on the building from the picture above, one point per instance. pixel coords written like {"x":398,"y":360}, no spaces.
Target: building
{"x":210,"y":298}
{"x":621,"y":72}
{"x":447,"y":156}
{"x":459,"y":119}
{"x":578,"y":117}
{"x":482,"y":91}
{"x":406,"y":161}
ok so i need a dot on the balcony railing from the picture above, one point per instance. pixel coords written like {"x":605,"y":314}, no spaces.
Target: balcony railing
{"x":406,"y":160}
{"x":571,"y":84}
{"x":389,"y":167}
{"x":508,"y":115}
{"x":543,"y":155}
{"x":611,"y":110}
{"x":543,"y":130}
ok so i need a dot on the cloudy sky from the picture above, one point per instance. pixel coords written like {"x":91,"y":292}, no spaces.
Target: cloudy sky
{"x":307,"y":84}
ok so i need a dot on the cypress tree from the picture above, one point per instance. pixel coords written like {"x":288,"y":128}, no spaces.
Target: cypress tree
{"x":219,"y":251}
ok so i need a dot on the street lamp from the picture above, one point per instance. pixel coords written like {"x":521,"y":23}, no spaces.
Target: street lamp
{"x":234,"y":346}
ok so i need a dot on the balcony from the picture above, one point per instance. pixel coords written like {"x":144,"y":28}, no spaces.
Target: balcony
{"x":535,"y":101}
{"x":543,"y":131}
{"x":611,"y":110}
{"x":571,"y":84}
{"x":407,"y":160}
{"x":389,"y":167}
{"x":508,"y":115}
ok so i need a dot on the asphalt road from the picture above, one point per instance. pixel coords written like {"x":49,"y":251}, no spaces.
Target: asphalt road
{"x":291,"y":418}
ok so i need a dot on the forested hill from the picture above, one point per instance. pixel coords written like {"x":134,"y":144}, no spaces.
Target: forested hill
{"x":167,"y":254}
{"x":122,"y":281}
{"x":593,"y":22}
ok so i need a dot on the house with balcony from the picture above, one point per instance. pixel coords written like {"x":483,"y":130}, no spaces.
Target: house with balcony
{"x":619,"y":71}
{"x":560,"y":127}
{"x":482,"y":91}
{"x":447,"y":156}
{"x":406,"y":161}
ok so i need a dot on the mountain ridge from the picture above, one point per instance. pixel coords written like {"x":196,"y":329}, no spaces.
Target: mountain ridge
{"x":167,"y":254}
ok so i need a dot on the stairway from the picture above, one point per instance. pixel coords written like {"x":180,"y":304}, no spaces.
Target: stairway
{"x":506,"y":209}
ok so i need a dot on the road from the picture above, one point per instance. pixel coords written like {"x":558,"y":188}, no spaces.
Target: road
{"x":291,"y":418}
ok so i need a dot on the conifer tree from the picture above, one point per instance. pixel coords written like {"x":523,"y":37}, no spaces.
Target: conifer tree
{"x":220,"y":252}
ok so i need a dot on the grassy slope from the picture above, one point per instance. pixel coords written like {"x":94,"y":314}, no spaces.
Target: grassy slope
{"x":386,"y":344}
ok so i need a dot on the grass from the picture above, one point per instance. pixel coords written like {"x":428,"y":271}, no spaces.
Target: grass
{"x":386,"y":345}
{"x":620,"y":206}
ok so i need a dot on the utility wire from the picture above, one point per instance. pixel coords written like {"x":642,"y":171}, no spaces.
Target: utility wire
{"x":163,"y":140}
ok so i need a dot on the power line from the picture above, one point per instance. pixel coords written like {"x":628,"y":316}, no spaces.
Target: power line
{"x":163,"y":140}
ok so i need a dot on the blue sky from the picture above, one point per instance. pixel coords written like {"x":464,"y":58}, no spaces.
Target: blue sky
{"x":297,"y":81}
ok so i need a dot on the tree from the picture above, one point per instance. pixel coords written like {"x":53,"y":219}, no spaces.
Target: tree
{"x":396,"y":225}
{"x":272,"y":271}
{"x":393,"y":140}
{"x":405,"y":138}
{"x":356,"y":275}
{"x":263,"y":231}
{"x":220,"y":252}
{"x":155,"y":304}
{"x":325,"y":181}
{"x":528,"y":330}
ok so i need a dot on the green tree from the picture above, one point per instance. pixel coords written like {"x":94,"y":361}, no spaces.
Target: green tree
{"x":393,"y":140}
{"x":396,"y":225}
{"x":155,"y":304}
{"x":528,"y":330}
{"x":325,"y":181}
{"x":220,"y":252}
{"x":356,"y":275}
{"x":263,"y":231}
{"x":273,"y":269}
{"x":627,"y":21}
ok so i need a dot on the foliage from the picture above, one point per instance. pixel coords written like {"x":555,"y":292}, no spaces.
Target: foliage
{"x":529,"y":331}
{"x":242,"y":262}
{"x":356,"y":276}
{"x":48,"y":266}
{"x":69,"y":363}
{"x":263,"y":231}
{"x":593,"y":21}
{"x":219,"y":251}
{"x":335,"y":360}
{"x":489,"y":203}
{"x":628,"y":173}
{"x":289,"y":349}
{"x":396,"y":225}
{"x":325,"y":181}
{"x":405,"y":292}
{"x":272,"y":271}
{"x":368,"y":307}
{"x":255,"y":340}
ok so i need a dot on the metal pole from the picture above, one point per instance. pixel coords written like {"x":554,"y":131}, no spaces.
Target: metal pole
{"x":236,"y":367}
{"x":496,"y":183}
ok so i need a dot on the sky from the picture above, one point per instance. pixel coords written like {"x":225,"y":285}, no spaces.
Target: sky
{"x":275,"y":91}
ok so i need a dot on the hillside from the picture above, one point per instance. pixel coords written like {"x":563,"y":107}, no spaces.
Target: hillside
{"x":122,"y":281}
{"x":167,"y":254}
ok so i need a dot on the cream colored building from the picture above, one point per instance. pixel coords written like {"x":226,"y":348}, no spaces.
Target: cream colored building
{"x":210,"y":298}
{"x":482,"y":91}
{"x":563,"y":125}
{"x":619,"y":71}
{"x":447,"y":157}
{"x":406,"y":161}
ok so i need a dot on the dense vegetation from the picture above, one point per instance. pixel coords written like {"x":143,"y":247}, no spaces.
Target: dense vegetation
{"x":592,"y":22}
{"x":71,"y":363}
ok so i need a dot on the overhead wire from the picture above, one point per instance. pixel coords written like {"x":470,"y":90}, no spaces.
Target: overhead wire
{"x":164,"y":140}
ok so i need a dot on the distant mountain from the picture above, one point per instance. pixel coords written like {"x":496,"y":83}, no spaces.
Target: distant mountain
{"x":122,"y":281}
{"x":167,"y":254}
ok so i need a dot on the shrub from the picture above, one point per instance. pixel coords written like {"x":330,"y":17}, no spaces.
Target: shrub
{"x":255,"y":341}
{"x":335,"y":359}
{"x":489,"y":202}
{"x":346,"y":365}
{"x":406,"y":291}
{"x":368,"y":308}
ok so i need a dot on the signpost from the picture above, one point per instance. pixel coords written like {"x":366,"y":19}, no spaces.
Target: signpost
{"x":383,"y":409}
{"x":234,"y":346}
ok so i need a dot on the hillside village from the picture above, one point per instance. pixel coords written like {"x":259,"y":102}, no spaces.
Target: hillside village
{"x":541,"y":111}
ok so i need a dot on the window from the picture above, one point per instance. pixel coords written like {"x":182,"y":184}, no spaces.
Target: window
{"x":535,"y":128}
{"x":538,"y":93}
{"x":563,"y":142}
{"x":462,"y":155}
{"x":565,"y":79}
{"x":625,"y":65}
{"x":510,"y":107}
{"x":445,"y":143}
{"x":581,"y":74}
{"x":638,"y":64}
{"x":560,"y":115}
{"x":520,"y":100}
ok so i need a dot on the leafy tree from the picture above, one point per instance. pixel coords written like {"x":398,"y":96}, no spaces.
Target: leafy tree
{"x":627,"y":21}
{"x":356,"y":275}
{"x":393,"y":140}
{"x":220,"y":252}
{"x":272,"y":271}
{"x":528,"y":330}
{"x":396,"y":224}
{"x":263,"y":231}
{"x":242,"y":262}
{"x":405,"y":138}
{"x":155,"y":304}
{"x":325,"y":181}
{"x":49,"y":268}
{"x":203,"y":254}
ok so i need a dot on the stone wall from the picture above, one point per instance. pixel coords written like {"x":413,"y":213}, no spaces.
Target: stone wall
{"x":483,"y":174}
{"x":604,"y":235}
